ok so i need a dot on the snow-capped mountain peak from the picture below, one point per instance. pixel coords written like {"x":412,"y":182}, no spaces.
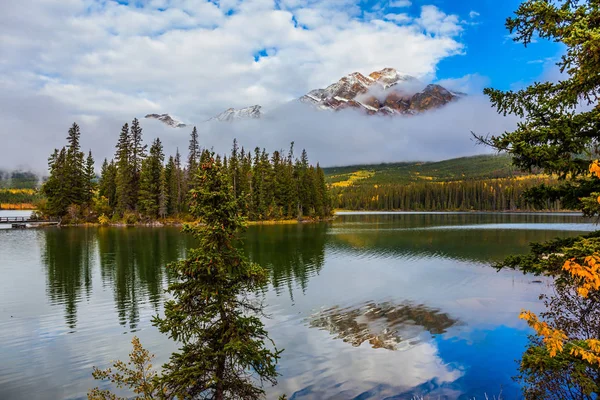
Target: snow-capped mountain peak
{"x":231,"y":114}
{"x":167,"y":119}
{"x":384,"y":92}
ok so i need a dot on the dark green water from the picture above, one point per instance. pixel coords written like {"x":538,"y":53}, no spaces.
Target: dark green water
{"x":369,"y":306}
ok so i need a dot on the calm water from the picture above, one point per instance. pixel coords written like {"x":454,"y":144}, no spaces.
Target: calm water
{"x":369,"y":306}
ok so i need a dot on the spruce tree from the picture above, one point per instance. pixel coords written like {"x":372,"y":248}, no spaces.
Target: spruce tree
{"x":179,"y":184}
{"x":136,"y":157}
{"x":560,"y":137}
{"x":150,"y":181}
{"x":107,"y":186}
{"x":124,"y":178}
{"x":170,"y":188}
{"x":90,"y":178}
{"x":56,"y":187}
{"x":212,"y":315}
{"x":194,"y":154}
{"x":75,"y":168}
{"x":234,"y":169}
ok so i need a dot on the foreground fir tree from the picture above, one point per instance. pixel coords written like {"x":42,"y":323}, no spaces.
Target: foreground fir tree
{"x":560,"y":134}
{"x":225,"y":347}
{"x":225,"y":352}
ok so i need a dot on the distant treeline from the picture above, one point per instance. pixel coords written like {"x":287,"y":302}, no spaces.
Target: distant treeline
{"x":11,"y":199}
{"x":138,"y":185}
{"x":501,"y":194}
{"x":18,"y":179}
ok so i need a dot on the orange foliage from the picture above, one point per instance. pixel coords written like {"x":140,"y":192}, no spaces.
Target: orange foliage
{"x":17,"y":206}
{"x":588,"y":278}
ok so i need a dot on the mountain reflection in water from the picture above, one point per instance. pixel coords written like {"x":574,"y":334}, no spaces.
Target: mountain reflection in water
{"x":384,"y":326}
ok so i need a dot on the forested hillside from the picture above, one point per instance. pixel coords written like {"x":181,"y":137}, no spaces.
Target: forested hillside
{"x":481,"y":183}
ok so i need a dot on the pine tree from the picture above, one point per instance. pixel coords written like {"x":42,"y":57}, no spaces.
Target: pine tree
{"x":194,"y":154}
{"x":75,"y":168}
{"x":234,"y":169}
{"x":108,"y":183}
{"x":150,"y":181}
{"x":90,"y":178}
{"x":178,"y":183}
{"x":222,"y":340}
{"x":558,"y":136}
{"x":163,"y":199}
{"x":169,"y":182}
{"x":55,"y":188}
{"x":124,"y":178}
{"x":136,"y":157}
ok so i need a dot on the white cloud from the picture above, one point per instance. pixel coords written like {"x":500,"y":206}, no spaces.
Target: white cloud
{"x":108,"y":61}
{"x":470,"y":84}
{"x":400,"y":3}
{"x":398,"y":18}
{"x":192,"y":58}
{"x":438,"y":23}
{"x":474,"y":14}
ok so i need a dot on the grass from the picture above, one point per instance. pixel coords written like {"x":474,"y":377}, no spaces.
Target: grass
{"x":476,"y":167}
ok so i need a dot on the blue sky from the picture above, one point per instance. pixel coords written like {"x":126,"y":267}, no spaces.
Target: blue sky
{"x":488,"y":50}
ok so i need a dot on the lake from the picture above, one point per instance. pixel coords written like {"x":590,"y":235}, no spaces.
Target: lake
{"x":369,"y":306}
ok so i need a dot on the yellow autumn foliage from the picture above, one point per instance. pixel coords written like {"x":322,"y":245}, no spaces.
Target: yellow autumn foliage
{"x":588,"y":279}
{"x":355,"y":176}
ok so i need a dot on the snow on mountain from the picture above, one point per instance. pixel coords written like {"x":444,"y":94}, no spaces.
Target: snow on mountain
{"x":167,"y":119}
{"x":385,"y":92}
{"x":231,"y":114}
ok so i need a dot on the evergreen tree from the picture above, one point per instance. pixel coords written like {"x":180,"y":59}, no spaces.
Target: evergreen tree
{"x":136,"y":157}
{"x":90,"y":178}
{"x":124,"y":178}
{"x":68,"y":184}
{"x":234,"y":169}
{"x":169,"y":182}
{"x":108,"y":183}
{"x":558,"y":136}
{"x":163,"y":200}
{"x":194,"y":154}
{"x":222,"y":340}
{"x":150,"y":181}
{"x":179,"y":183}
{"x":55,"y":188}
{"x":75,"y":168}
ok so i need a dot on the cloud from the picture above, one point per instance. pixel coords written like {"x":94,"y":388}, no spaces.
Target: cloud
{"x":470,"y":84}
{"x":474,"y":14}
{"x":198,"y":58}
{"x":104,"y":63}
{"x":40,"y":124}
{"x":400,"y":3}
{"x":398,"y":18}
{"x":436,"y":22}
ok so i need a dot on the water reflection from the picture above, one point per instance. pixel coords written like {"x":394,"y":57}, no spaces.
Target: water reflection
{"x":384,"y":325}
{"x":67,"y":256}
{"x":75,"y":292}
{"x":131,"y":262}
{"x":292,"y":253}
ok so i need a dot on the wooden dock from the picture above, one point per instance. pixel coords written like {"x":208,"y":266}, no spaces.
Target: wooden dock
{"x":22,"y":222}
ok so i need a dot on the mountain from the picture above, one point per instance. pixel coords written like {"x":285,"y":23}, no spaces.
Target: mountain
{"x":385,"y":92}
{"x":167,"y":119}
{"x":231,"y":114}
